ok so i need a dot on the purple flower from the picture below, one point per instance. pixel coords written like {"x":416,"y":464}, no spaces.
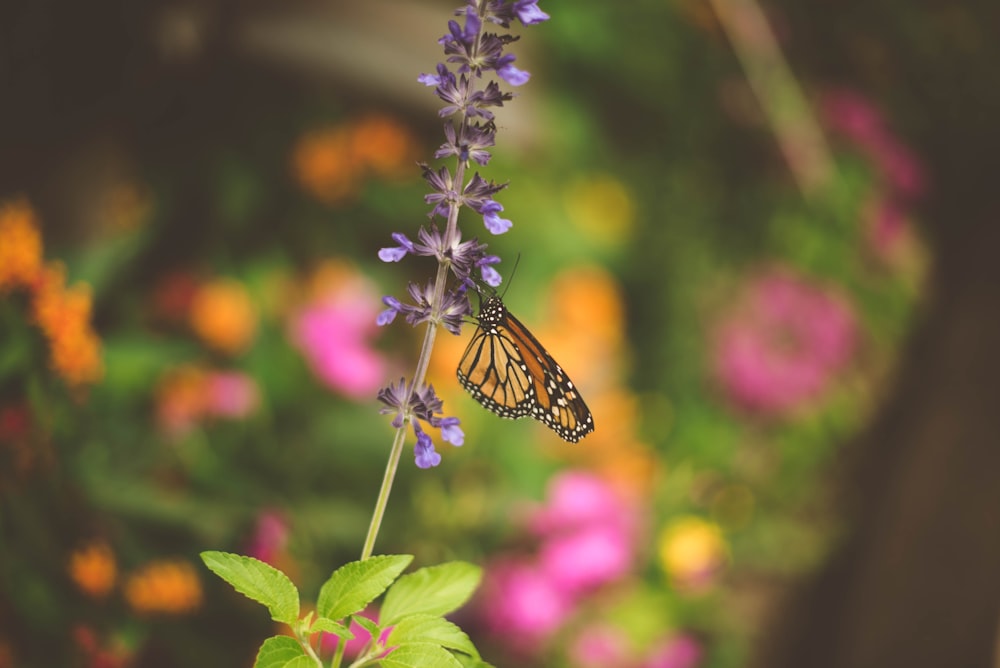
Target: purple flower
{"x":396,"y":253}
{"x":509,"y":73}
{"x":528,"y":12}
{"x":423,"y":451}
{"x":491,"y":218}
{"x":451,"y":432}
{"x":443,"y":74}
{"x":490,"y":275}
{"x":414,"y":406}
{"x":389,"y":314}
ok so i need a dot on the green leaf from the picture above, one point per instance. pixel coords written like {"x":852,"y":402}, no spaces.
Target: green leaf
{"x":322,"y":624}
{"x":280,"y":652}
{"x":368,"y":625}
{"x":427,"y":628}
{"x":258,"y":581}
{"x":420,"y":655}
{"x":356,"y":584}
{"x":435,"y":590}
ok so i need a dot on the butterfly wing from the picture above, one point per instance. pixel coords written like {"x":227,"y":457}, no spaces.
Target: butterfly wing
{"x":491,"y":371}
{"x":508,"y":371}
{"x":558,"y":404}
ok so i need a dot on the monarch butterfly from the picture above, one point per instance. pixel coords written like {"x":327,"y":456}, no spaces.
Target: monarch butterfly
{"x":508,"y":371}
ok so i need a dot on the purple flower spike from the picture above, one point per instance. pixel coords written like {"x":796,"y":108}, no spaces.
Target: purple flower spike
{"x":509,"y":73}
{"x":396,"y":253}
{"x":529,"y":13}
{"x":491,"y":218}
{"x":451,"y":432}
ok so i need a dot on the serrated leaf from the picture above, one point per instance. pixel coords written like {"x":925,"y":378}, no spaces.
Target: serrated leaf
{"x":420,"y":655}
{"x":435,"y":590}
{"x":427,"y":628}
{"x":279,"y":652}
{"x":356,"y":584}
{"x":257,"y":581}
{"x":369,"y":625}
{"x":324,"y":625}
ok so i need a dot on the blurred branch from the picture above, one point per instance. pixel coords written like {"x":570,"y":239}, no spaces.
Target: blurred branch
{"x":778,"y":92}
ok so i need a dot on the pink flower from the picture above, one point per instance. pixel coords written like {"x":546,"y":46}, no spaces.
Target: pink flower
{"x":861,"y":123}
{"x":587,"y":558}
{"x":599,"y":646}
{"x":680,"y":651}
{"x":334,"y":334}
{"x":520,"y":601}
{"x":576,"y":499}
{"x":270,"y":537}
{"x":782,"y":343}
{"x":230,"y":394}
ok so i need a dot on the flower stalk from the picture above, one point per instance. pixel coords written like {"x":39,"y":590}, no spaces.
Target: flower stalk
{"x":469,"y":133}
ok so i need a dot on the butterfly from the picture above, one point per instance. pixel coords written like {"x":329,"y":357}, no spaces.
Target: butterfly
{"x":508,"y":371}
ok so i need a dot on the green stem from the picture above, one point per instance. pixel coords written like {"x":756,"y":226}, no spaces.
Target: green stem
{"x":383,"y":495}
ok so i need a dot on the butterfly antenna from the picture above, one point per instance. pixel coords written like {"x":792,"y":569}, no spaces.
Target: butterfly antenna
{"x":510,"y":278}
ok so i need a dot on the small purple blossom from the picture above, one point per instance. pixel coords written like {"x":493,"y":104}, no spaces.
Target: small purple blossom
{"x":528,"y":12}
{"x":509,"y":73}
{"x":389,"y":314}
{"x":396,"y":253}
{"x":491,"y":218}
{"x":423,"y":451}
{"x":490,"y":275}
{"x":451,"y":432}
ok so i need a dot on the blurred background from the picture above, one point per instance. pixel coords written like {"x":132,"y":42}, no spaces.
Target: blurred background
{"x":760,"y":238}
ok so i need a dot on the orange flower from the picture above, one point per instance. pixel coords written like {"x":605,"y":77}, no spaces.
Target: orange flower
{"x":63,"y":315}
{"x":223,"y":315}
{"x":93,"y":569}
{"x":330,"y":163}
{"x":164,"y":586}
{"x":383,"y":144}
{"x":20,"y":245}
{"x":324,"y":164}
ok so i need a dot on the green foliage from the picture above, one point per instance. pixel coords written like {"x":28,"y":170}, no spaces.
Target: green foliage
{"x":418,"y":634}
{"x":257,"y":581}
{"x":355,"y":585}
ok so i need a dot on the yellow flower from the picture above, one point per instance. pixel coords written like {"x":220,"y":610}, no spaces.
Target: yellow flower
{"x":692,"y":551}
{"x":164,"y":586}
{"x":93,"y":568}
{"x":602,"y":208}
{"x":223,"y":315}
{"x":20,"y":245}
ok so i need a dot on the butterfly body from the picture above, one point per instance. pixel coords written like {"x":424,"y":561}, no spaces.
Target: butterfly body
{"x":508,"y":372}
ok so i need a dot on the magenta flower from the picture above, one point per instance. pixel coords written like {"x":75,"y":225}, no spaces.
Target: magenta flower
{"x":335,"y":334}
{"x":600,"y":645}
{"x":270,"y":537}
{"x":782,"y":343}
{"x":231,"y":394}
{"x":680,"y":651}
{"x":520,"y":602}
{"x":860,"y":122}
{"x":587,"y":558}
{"x":578,"y":499}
